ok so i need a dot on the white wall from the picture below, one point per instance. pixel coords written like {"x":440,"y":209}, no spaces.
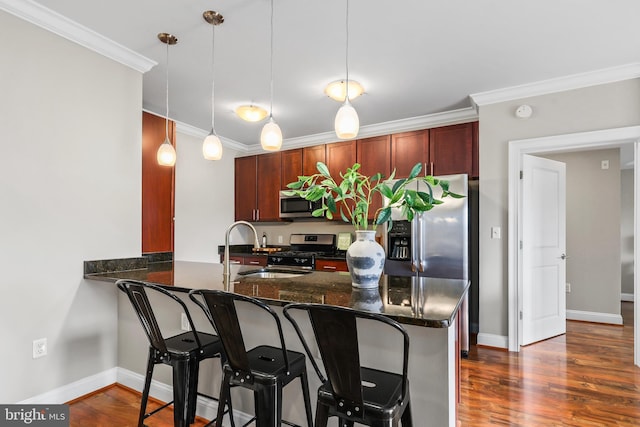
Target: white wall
{"x":599,"y":107}
{"x":593,"y":235}
{"x":204,"y":201}
{"x":70,"y":190}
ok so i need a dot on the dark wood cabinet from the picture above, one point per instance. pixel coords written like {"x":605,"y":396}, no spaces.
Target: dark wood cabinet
{"x":291,"y":166}
{"x":268,"y":187}
{"x":245,"y":189}
{"x":374,"y":155}
{"x":407,"y":149}
{"x":451,"y":149}
{"x":340,"y":156}
{"x":311,"y":156}
{"x":443,"y":150}
{"x":157,"y":188}
{"x":257,"y":187}
{"x":331,"y":265}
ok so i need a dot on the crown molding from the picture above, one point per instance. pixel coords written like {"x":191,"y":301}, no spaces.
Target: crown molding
{"x":560,"y":84}
{"x":202,"y":134}
{"x":445,"y":118}
{"x":49,"y":20}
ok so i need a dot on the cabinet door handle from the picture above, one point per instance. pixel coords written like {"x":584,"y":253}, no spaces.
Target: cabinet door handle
{"x":431,"y":169}
{"x":329,"y":267}
{"x":233,"y":261}
{"x":254,"y":262}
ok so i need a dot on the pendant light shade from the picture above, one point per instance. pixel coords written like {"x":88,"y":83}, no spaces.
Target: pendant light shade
{"x":166,"y":155}
{"x":347,"y":123}
{"x":212,"y":146}
{"x":271,"y":136}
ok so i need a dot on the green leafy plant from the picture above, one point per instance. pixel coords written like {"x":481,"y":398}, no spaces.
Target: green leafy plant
{"x":356,"y":191}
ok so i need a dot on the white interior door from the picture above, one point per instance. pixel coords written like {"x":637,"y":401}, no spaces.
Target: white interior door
{"x":543,"y":304}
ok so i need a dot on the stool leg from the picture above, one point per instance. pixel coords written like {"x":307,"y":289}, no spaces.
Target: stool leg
{"x":147,"y":385}
{"x":322,"y":415}
{"x":192,"y":390}
{"x":268,"y":405}
{"x":181,"y":371}
{"x":224,"y":398}
{"x":307,"y":400}
{"x":407,"y":421}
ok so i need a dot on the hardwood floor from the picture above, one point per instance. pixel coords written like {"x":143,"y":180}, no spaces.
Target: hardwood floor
{"x":584,"y":378}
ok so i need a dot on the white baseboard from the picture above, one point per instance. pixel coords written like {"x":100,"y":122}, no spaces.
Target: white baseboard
{"x":626,"y":297}
{"x":75,"y":389}
{"x":592,"y":316}
{"x":491,"y":340}
{"x":207,"y":408}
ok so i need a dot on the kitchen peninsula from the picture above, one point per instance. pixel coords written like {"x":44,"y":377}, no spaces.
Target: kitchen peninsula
{"x":428,"y":308}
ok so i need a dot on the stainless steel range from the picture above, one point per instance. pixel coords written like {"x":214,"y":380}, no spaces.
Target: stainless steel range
{"x":304,"y":248}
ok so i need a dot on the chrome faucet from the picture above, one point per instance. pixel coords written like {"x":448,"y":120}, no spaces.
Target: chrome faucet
{"x":227,"y":261}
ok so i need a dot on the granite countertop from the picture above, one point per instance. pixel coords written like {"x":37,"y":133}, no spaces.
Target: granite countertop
{"x":244,"y":249}
{"x":429,"y":302}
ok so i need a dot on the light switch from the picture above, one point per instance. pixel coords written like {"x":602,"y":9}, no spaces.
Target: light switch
{"x":495,"y":232}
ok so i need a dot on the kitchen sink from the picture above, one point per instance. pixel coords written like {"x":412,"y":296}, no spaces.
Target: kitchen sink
{"x":273,"y":273}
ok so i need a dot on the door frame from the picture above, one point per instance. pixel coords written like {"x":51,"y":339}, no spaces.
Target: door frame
{"x":582,"y":141}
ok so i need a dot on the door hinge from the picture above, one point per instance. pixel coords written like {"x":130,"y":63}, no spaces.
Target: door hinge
{"x":520,"y":314}
{"x":521,"y":174}
{"x":520,"y":244}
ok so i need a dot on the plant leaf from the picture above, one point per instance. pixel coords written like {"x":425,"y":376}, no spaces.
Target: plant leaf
{"x":323,"y":169}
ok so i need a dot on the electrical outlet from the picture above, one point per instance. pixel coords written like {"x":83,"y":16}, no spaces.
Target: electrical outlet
{"x":184,"y":322}
{"x":39,"y":348}
{"x":280,"y":240}
{"x":568,"y":287}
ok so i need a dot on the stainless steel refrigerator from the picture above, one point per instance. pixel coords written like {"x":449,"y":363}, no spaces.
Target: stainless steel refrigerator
{"x":435,"y":243}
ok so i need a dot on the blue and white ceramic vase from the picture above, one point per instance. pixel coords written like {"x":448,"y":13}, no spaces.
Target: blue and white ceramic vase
{"x":365,"y":260}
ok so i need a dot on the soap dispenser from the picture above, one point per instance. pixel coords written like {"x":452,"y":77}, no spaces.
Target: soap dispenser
{"x":264,"y":239}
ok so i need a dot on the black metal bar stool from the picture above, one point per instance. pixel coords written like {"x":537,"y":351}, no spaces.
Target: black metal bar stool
{"x":183,"y":352}
{"x":352,"y":392}
{"x":264,"y":369}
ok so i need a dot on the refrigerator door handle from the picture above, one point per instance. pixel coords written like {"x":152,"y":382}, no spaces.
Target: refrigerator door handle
{"x":416,"y":247}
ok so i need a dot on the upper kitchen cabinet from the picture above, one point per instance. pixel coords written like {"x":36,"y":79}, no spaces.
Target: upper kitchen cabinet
{"x":442,"y":151}
{"x":340,"y":156}
{"x":407,"y":149}
{"x":311,"y":156}
{"x":257,"y":187}
{"x":291,"y":166}
{"x":374,"y":155}
{"x":157,"y":188}
{"x":452,"y":149}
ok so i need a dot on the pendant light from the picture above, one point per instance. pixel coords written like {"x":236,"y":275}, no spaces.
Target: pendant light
{"x":271,"y":136}
{"x":212,"y":147}
{"x":166,"y":155}
{"x":347,"y":123}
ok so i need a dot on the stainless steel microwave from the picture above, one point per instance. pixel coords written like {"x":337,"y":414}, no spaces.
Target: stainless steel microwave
{"x":296,"y":206}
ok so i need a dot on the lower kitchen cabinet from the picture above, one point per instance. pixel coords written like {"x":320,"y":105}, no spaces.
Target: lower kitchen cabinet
{"x":331,"y":265}
{"x":256,"y":260}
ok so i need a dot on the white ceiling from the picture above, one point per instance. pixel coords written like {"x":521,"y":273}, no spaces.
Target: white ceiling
{"x":415,"y":57}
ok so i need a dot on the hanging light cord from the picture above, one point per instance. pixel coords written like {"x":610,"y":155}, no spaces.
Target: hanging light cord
{"x":346,"y":60}
{"x":213,"y":45}
{"x":271,"y":65}
{"x":166,"y":121}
